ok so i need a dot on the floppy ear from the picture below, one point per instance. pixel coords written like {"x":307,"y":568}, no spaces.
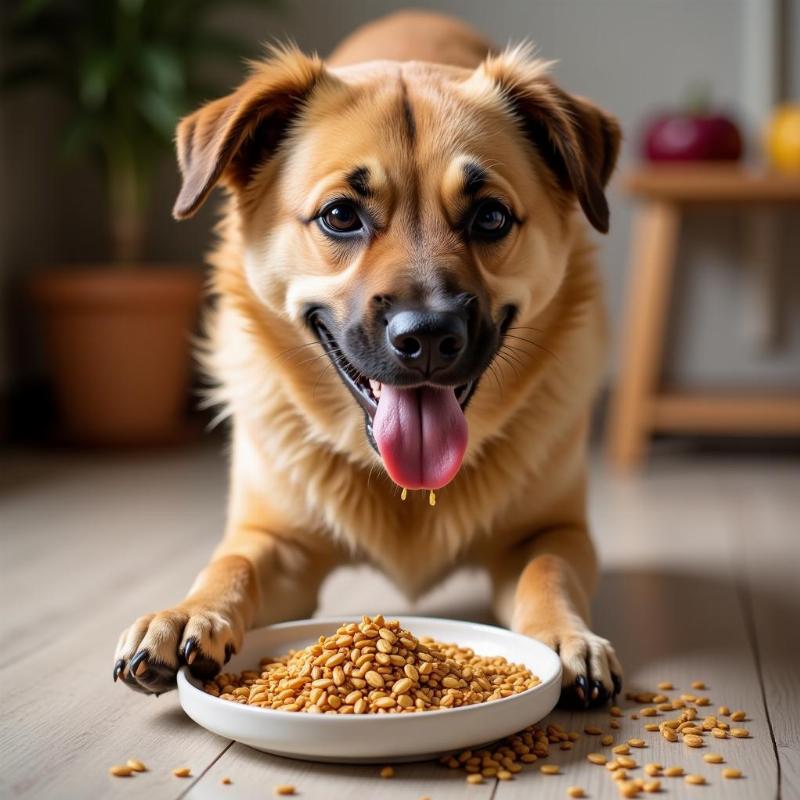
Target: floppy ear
{"x":578,"y":141}
{"x":227,"y":139}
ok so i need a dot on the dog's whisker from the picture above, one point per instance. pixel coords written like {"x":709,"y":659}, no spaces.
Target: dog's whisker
{"x":492,"y":368}
{"x":514,"y":356}
{"x":292,"y":350}
{"x":508,"y":361}
{"x":536,"y":344}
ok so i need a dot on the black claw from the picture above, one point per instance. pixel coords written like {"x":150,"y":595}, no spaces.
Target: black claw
{"x":200,"y":665}
{"x":189,"y":648}
{"x":600,"y":695}
{"x":228,"y":652}
{"x":136,"y":662}
{"x":617,"y":680}
{"x":574,"y":696}
{"x":118,"y":667}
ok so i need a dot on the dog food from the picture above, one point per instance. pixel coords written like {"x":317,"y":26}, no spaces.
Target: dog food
{"x":121,"y":771}
{"x":374,"y":667}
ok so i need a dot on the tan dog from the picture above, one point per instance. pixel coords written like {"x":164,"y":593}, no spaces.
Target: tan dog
{"x":406,"y":297}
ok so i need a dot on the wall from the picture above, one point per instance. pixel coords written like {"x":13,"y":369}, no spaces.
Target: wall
{"x":631,"y":56}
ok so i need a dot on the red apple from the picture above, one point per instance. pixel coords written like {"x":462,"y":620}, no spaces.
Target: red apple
{"x":692,"y":137}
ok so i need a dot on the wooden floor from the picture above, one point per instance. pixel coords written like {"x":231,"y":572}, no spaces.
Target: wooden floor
{"x":701,"y":582}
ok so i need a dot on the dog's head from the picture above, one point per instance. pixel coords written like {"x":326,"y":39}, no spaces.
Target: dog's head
{"x":406,"y":214}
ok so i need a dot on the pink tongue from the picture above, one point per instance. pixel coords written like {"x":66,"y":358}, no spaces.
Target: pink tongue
{"x":421,"y":435}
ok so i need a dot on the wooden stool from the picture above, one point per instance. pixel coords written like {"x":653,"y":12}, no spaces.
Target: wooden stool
{"x":639,"y":407}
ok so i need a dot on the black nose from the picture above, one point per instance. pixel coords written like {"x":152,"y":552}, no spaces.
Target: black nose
{"x":427,"y":340}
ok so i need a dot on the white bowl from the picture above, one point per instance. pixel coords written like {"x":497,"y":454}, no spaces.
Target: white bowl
{"x":377,"y":737}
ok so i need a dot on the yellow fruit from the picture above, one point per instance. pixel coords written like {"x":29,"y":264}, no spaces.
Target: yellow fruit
{"x":783,"y":138}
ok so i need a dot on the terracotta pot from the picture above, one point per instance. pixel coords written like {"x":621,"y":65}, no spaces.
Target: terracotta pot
{"x":119,"y":346}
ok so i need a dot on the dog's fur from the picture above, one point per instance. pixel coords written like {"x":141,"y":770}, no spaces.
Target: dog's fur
{"x":308,"y":492}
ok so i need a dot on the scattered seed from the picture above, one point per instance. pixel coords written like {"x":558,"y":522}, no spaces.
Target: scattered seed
{"x":621,"y":749}
{"x":695,"y":780}
{"x":612,"y":765}
{"x":669,"y":734}
{"x":665,"y":686}
{"x":575,"y":791}
{"x":719,"y":733}
{"x":549,"y":769}
{"x":626,"y":761}
{"x":637,"y":742}
{"x":740,"y":733}
{"x":616,"y":711}
{"x":651,"y":787}
{"x":613,"y":724}
{"x":738,"y":716}
{"x":607,"y":740}
{"x":284,"y":789}
{"x":629,"y":789}
{"x":673,"y":772}
{"x":182,"y":772}
{"x":504,"y":775}
{"x":136,"y":765}
{"x":387,"y":772}
{"x":653,"y":769}
{"x":648,"y":711}
{"x":121,"y":771}
{"x":596,"y":758}
{"x":724,"y":711}
{"x":651,"y":726}
{"x":731,"y":773}
{"x":693,"y":740}
{"x":593,"y":730}
{"x":476,"y":778}
{"x":226,"y":781}
{"x":698,"y":685}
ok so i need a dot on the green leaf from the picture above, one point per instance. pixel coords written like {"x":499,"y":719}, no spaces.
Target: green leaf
{"x":164,"y":67}
{"x":97,"y":77}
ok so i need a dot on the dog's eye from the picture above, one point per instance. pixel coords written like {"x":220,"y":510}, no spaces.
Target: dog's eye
{"x":340,"y":217}
{"x":492,"y":220}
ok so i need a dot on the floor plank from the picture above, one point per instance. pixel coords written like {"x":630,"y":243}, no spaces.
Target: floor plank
{"x":767,"y":525}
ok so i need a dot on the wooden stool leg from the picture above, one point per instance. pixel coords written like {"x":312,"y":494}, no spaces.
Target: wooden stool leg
{"x":653,"y":249}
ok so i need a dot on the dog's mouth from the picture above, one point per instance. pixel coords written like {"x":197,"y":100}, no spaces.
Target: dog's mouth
{"x":419,"y":430}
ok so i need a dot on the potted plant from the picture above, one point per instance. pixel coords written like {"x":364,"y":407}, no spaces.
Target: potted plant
{"x":118,"y":334}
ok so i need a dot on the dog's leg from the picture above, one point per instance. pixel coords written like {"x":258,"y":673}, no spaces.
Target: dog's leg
{"x":543,"y":590}
{"x":254,"y":577}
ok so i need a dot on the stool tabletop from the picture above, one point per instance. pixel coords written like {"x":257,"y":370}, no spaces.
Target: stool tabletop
{"x":712,"y":183}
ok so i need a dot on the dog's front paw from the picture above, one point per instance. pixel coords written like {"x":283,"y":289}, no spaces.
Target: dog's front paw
{"x":150,"y":652}
{"x":591,"y":673}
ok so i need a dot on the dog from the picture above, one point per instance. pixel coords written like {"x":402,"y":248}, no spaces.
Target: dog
{"x":407,"y":335}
